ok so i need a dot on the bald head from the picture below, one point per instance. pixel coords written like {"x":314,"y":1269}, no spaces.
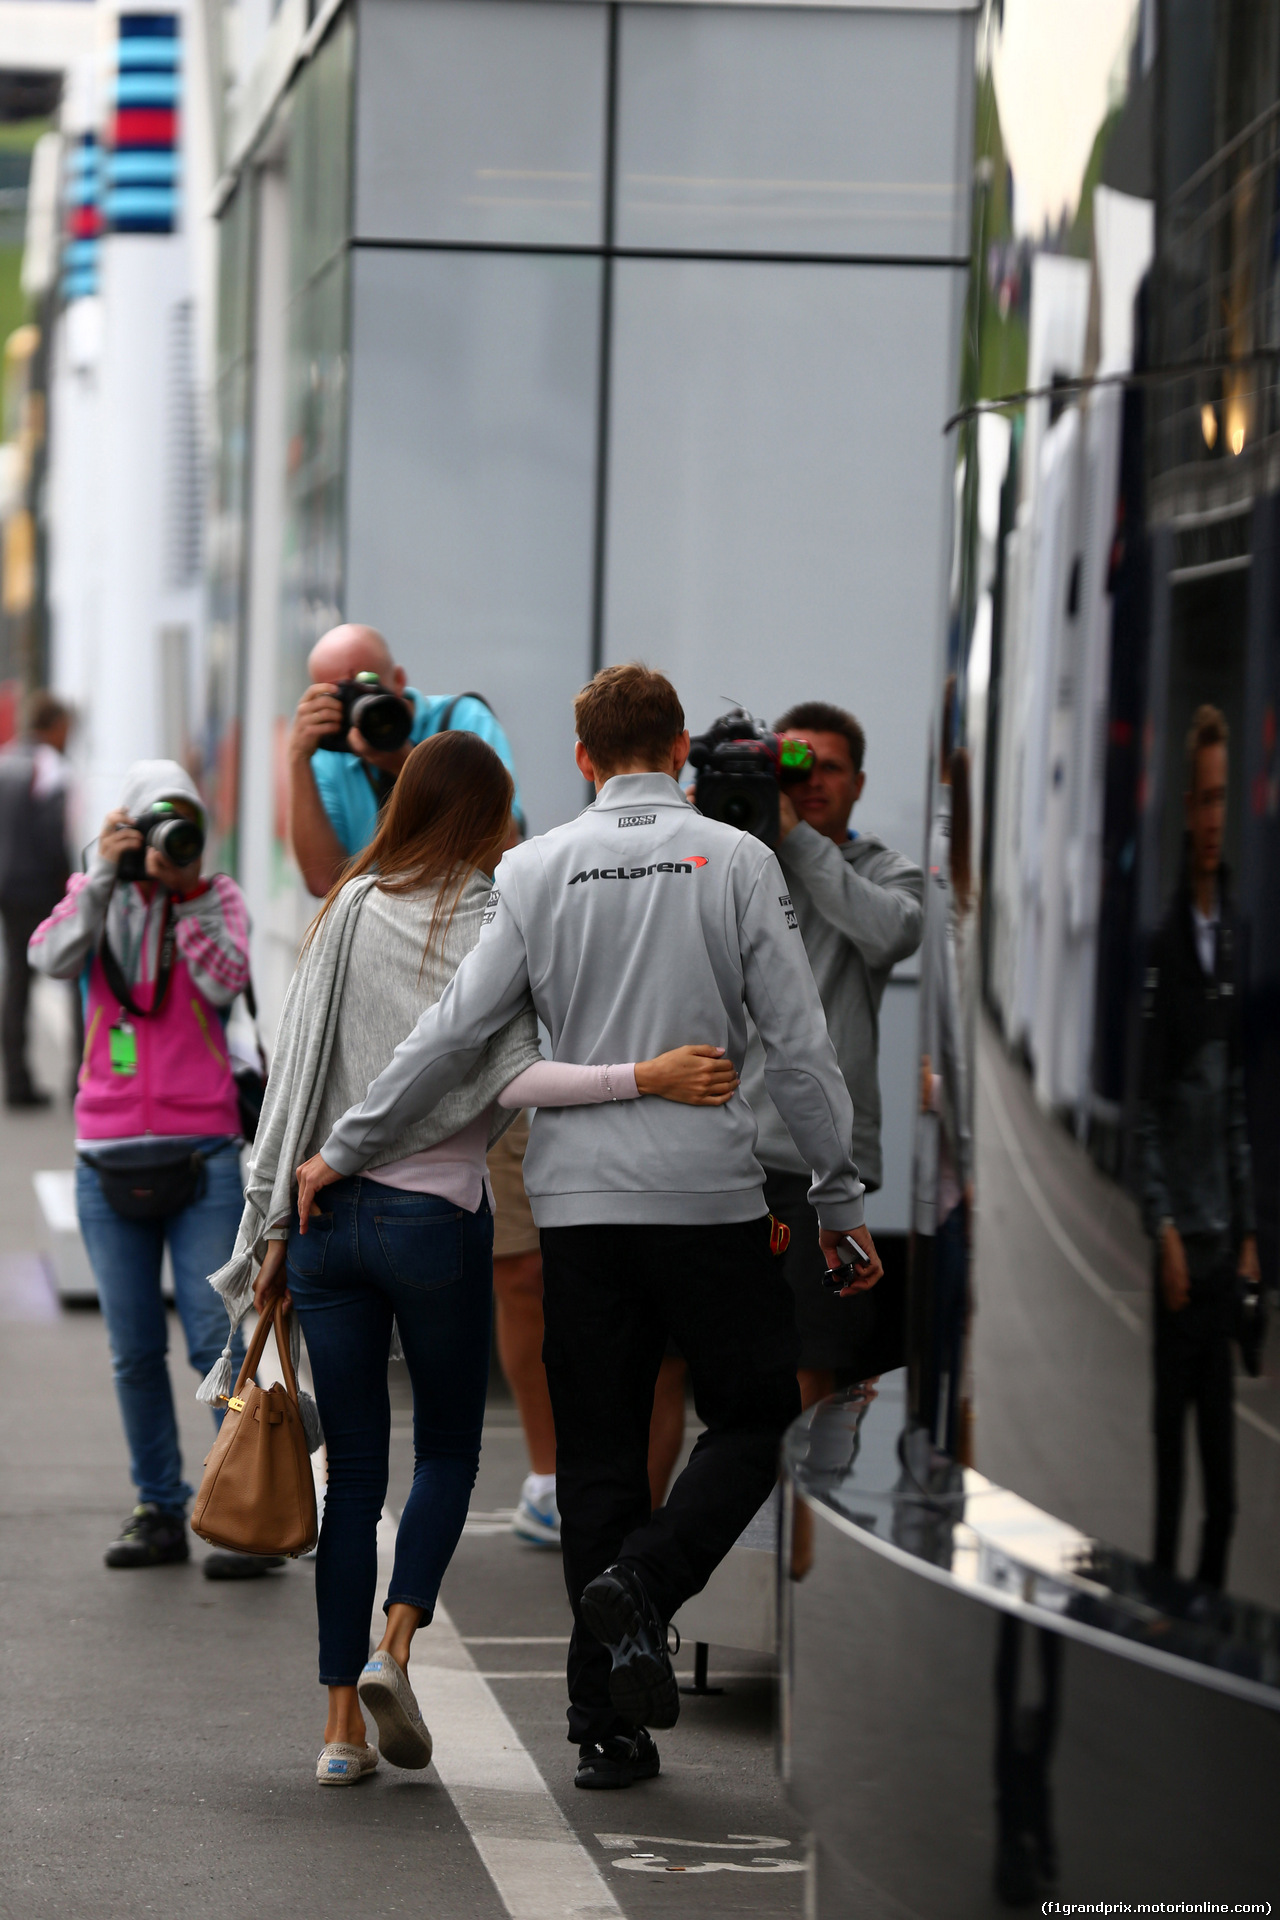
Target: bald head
{"x":350,"y":649}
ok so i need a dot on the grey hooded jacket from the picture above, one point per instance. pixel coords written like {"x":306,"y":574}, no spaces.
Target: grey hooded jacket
{"x":637,"y":927}
{"x":860,"y":912}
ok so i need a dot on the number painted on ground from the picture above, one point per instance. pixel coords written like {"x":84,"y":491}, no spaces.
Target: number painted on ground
{"x":642,"y":1855}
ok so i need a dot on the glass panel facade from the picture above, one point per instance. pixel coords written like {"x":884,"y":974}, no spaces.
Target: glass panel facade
{"x":217,"y":748}
{"x":770,"y":427}
{"x":471,"y":496}
{"x":481,"y":121}
{"x":746,"y":129}
{"x":318,"y":336}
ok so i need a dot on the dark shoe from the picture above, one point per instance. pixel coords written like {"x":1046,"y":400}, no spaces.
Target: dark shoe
{"x":28,"y":1097}
{"x":619,"y":1761}
{"x":642,"y":1686}
{"x":240,"y":1566}
{"x":150,"y":1537}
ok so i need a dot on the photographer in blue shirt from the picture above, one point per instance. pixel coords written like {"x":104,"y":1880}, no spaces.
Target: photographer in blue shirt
{"x":335,"y":798}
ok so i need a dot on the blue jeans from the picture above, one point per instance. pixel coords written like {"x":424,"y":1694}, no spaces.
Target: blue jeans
{"x":376,"y":1254}
{"x":126,"y":1256}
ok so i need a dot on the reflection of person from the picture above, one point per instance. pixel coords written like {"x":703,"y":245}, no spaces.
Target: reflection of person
{"x":858,"y":905}
{"x":156,"y":1088}
{"x":412,"y":1240}
{"x":335,"y":798}
{"x":949,"y":1094}
{"x":33,"y":869}
{"x":638,"y":920}
{"x":1196,"y":1170}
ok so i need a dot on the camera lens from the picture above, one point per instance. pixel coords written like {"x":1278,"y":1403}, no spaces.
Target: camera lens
{"x":383,"y":719}
{"x":180,"y":841}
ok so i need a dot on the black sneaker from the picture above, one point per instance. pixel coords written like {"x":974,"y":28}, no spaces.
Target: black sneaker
{"x":151,"y":1537}
{"x":642,"y":1686}
{"x":24,"y":1098}
{"x":618,"y":1761}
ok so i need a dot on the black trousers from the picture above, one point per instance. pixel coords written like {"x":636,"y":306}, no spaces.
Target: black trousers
{"x":19,"y":925}
{"x":611,"y":1298}
{"x":1193,"y":1369}
{"x":833,"y":1333}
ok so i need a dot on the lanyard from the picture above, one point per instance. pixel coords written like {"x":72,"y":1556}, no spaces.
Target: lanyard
{"x":115,"y":978}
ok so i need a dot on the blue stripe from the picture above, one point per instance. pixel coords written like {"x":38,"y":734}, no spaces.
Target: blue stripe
{"x":146,"y":90}
{"x":148,"y":26}
{"x":141,"y":203}
{"x":141,"y":167}
{"x":79,"y":286}
{"x":79,"y":253}
{"x":148,"y":53}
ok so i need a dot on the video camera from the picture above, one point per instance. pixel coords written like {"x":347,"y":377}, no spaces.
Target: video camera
{"x":741,"y":765}
{"x":377,"y":712}
{"x":171,"y":833}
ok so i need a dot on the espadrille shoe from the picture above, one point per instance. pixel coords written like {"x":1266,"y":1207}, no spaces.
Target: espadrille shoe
{"x":341,"y":1765}
{"x":402,"y":1733}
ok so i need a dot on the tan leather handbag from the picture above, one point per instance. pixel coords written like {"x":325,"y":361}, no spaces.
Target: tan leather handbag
{"x":257,"y":1494}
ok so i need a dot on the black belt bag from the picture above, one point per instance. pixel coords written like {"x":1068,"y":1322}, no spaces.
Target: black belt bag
{"x":154,"y":1192}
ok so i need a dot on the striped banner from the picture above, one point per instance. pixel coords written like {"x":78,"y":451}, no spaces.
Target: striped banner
{"x":83,"y":219}
{"x":142,"y":167}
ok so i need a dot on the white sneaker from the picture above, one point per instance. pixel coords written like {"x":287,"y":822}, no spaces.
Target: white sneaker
{"x":341,"y":1765}
{"x":384,"y":1688}
{"x":537,"y":1519}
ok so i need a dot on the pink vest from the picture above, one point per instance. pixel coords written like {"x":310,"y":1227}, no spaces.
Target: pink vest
{"x":183,"y":1084}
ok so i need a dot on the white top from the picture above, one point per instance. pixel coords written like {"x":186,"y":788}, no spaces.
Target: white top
{"x":1206,"y":930}
{"x":455,"y":1170}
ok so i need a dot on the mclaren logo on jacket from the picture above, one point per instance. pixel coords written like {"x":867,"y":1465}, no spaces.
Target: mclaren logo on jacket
{"x":690,"y":863}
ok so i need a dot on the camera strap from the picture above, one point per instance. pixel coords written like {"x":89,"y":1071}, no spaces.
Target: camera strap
{"x":381,"y":785}
{"x":445,"y":723}
{"x":114,"y":973}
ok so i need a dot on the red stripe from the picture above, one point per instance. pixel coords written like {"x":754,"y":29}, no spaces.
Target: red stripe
{"x":85,"y":223}
{"x":145,"y":127}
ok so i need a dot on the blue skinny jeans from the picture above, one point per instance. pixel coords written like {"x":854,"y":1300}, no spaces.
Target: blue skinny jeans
{"x":126,"y":1257}
{"x":373,"y":1255}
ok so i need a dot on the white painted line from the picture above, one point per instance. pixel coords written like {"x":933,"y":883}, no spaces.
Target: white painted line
{"x":1048,"y":1218}
{"x":515,"y":1639}
{"x":1252,"y":1419}
{"x":538,"y":1865}
{"x":1067,"y":1246}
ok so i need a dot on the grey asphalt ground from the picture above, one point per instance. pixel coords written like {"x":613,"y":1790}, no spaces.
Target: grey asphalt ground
{"x":160,"y":1731}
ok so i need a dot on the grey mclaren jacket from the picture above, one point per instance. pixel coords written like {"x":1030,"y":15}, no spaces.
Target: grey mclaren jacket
{"x":637,"y":927}
{"x":860,"y":912}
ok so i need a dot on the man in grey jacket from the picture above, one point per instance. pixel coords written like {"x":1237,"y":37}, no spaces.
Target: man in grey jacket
{"x":860,"y":910}
{"x":634,"y":927}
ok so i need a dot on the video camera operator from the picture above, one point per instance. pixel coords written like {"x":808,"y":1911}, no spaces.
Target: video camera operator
{"x":335,"y":795}
{"x":860,"y":909}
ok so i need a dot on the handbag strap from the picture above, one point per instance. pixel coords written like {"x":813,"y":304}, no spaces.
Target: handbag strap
{"x":279,"y":1320}
{"x":251,"y":1007}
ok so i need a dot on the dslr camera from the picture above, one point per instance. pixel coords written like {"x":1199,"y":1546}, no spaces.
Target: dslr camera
{"x":741,"y":766}
{"x":171,"y":833}
{"x":376,"y":711}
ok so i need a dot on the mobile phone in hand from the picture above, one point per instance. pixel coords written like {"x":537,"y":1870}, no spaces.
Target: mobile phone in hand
{"x":854,"y":1259}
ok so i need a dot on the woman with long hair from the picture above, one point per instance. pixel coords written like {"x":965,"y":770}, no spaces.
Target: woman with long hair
{"x":410,"y":1241}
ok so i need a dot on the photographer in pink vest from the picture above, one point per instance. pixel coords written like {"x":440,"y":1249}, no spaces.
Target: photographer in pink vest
{"x":161,"y":954}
